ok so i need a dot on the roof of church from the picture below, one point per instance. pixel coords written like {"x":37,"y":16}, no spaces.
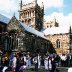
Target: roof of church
{"x":27,"y":28}
{"x":56,"y":30}
{"x":53,"y":30}
{"x":32,"y":30}
{"x":4,"y":19}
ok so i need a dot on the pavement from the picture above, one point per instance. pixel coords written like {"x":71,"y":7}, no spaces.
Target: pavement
{"x":30,"y":69}
{"x":42,"y":69}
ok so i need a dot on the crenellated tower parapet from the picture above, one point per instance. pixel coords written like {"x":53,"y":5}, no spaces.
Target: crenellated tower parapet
{"x":32,"y":14}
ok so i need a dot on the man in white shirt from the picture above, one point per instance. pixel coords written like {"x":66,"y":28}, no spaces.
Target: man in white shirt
{"x":63,"y":60}
{"x":14,"y":62}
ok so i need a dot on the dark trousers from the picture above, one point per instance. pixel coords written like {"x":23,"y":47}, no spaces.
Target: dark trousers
{"x":36,"y":67}
{"x":49,"y":70}
{"x":63,"y":63}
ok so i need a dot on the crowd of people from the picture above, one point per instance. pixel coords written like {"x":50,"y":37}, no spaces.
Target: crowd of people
{"x":19,"y":61}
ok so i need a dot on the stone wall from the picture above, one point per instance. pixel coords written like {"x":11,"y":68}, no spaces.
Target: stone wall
{"x":64,"y":42}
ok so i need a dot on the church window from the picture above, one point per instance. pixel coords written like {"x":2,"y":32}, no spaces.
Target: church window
{"x":57,"y":43}
{"x":29,"y":21}
{"x":33,"y":13}
{"x":24,"y":14}
{"x":47,"y":26}
{"x":28,"y":14}
{"x":50,"y":26}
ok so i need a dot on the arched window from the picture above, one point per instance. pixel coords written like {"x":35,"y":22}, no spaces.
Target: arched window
{"x":57,"y":43}
{"x":33,"y":13}
{"x":29,"y":21}
{"x":28,"y":14}
{"x":50,"y":26}
{"x":47,"y":26}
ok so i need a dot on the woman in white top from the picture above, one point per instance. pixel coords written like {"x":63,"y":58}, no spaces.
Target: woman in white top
{"x":46,"y":62}
{"x":14,"y":62}
{"x":39,"y":61}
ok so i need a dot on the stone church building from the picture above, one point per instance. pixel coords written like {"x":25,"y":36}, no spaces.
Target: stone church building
{"x":30,"y":33}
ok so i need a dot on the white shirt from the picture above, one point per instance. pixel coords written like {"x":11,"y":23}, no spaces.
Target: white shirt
{"x":63,"y":57}
{"x":25,"y":59}
{"x":14,"y":62}
{"x":50,"y":64}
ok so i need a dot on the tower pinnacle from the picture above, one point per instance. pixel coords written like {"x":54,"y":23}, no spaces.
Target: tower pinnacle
{"x":35,"y":1}
{"x":42,"y":6}
{"x":21,"y":5}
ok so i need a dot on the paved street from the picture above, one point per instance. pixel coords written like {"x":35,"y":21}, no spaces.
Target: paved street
{"x":31,"y":69}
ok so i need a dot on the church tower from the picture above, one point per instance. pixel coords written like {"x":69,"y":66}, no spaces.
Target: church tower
{"x":32,"y":14}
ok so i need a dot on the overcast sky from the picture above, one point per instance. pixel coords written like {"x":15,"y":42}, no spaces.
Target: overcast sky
{"x":60,"y":9}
